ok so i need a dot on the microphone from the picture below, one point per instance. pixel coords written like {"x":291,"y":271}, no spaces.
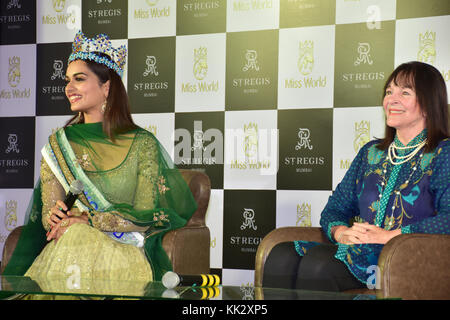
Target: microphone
{"x":76,"y":187}
{"x":192,"y":293}
{"x":170,"y":280}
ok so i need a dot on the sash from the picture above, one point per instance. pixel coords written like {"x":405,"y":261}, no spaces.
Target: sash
{"x":62,"y":160}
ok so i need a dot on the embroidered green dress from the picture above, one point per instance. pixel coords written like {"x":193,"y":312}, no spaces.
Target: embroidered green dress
{"x":413,"y":196}
{"x":133,"y":194}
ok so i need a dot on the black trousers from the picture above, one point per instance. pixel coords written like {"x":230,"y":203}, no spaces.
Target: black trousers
{"x":317,"y":270}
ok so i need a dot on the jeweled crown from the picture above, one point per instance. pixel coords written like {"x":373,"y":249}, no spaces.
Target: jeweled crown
{"x":87,"y":49}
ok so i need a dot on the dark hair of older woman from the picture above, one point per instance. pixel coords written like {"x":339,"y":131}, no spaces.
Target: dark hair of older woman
{"x":431,"y":93}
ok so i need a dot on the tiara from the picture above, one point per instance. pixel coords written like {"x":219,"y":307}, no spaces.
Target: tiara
{"x":84,"y":48}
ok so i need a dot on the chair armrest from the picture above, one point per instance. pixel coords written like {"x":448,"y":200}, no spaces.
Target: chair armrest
{"x":188,"y":249}
{"x":279,"y":235}
{"x":416,"y":266}
{"x":9,"y":247}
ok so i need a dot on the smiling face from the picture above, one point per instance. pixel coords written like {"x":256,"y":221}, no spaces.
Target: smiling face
{"x":403,"y":111}
{"x":83,"y":88}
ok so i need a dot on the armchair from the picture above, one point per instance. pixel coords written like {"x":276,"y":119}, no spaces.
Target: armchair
{"x":187,"y":248}
{"x":412,"y":266}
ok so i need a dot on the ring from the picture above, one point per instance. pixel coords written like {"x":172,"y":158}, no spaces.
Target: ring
{"x":65,"y":223}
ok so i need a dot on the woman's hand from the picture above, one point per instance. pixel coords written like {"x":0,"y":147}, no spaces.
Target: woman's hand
{"x":58,"y":230}
{"x":361,"y":233}
{"x":374,"y":234}
{"x":346,"y":235}
{"x":60,"y":221}
{"x":56,"y":213}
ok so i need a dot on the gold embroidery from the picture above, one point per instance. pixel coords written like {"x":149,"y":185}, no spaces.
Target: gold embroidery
{"x":349,"y":259}
{"x":85,"y":160}
{"x":374,"y":206}
{"x":160,"y":217}
{"x":51,"y":191}
{"x":389,"y":222}
{"x":162,"y":185}
{"x":107,"y":221}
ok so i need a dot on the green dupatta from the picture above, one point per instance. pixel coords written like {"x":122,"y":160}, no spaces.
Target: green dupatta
{"x":172,"y":210}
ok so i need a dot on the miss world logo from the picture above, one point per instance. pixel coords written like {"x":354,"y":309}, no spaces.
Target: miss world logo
{"x":306,"y":57}
{"x":427,"y":47}
{"x":58,"y":5}
{"x":14,"y":71}
{"x":200,"y":68}
{"x":11,"y":215}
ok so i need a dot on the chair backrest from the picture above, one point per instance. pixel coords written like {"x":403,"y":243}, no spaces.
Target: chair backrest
{"x":200,"y":186}
{"x":188,"y":248}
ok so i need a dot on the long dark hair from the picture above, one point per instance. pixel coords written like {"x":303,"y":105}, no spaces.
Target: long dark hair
{"x":117,"y":117}
{"x":431,"y":94}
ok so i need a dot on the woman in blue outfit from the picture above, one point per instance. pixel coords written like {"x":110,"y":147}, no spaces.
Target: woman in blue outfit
{"x":399,"y":184}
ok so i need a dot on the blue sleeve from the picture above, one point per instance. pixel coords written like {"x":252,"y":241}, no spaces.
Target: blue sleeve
{"x":342,"y":205}
{"x":440,"y":187}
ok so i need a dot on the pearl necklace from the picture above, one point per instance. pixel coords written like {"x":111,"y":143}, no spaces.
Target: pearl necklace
{"x":402,"y":159}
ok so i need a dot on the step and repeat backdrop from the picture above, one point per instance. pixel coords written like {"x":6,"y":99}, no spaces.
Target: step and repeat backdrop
{"x":272,"y":99}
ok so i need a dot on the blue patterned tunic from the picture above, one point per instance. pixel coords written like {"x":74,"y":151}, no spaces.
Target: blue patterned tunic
{"x":374,"y":190}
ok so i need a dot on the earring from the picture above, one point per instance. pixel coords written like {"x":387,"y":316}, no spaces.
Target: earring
{"x":103,"y":107}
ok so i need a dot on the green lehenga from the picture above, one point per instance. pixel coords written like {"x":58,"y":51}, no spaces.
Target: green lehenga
{"x":133,"y":195}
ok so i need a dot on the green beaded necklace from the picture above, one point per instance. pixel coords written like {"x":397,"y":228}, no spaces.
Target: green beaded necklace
{"x":417,"y":143}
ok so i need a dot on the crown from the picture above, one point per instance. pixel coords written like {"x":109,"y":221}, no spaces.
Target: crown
{"x":307,"y":44}
{"x":429,"y":35}
{"x":84,"y":48}
{"x":251,"y":126}
{"x":11,"y":205}
{"x":201,"y":52}
{"x":362,"y":126}
{"x":14,"y":61}
{"x":304,"y":207}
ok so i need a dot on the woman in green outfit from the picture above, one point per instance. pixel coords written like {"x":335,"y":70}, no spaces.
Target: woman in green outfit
{"x":132,"y":192}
